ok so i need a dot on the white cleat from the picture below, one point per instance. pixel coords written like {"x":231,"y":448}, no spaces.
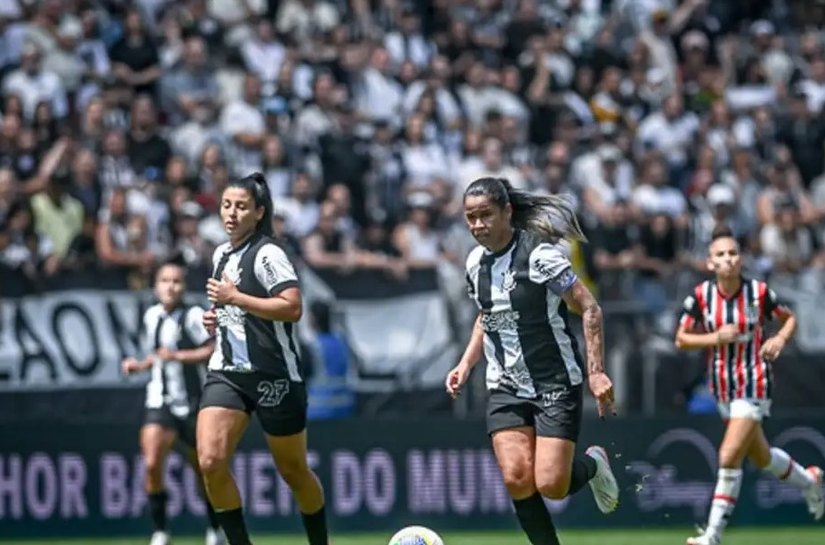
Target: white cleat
{"x":813,"y":496}
{"x":160,"y":538}
{"x":604,"y":486}
{"x":215,"y":537}
{"x":703,"y":539}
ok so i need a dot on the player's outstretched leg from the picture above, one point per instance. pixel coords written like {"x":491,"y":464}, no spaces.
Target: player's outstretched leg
{"x":516,"y":453}
{"x":602,"y":481}
{"x":155,"y":444}
{"x":740,"y":437}
{"x":808,"y":481}
{"x":219,"y":430}
{"x":781,"y":465}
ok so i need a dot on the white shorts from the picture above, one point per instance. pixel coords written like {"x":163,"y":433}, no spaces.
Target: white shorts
{"x":753,"y":409}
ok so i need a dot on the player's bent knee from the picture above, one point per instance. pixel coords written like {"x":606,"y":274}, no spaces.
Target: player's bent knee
{"x":212,"y":462}
{"x":519,"y":481}
{"x":555,"y":488}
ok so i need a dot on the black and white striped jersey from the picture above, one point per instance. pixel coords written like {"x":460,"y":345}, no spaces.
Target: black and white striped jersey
{"x":527,"y":342}
{"x":246,"y":342}
{"x":174,"y":384}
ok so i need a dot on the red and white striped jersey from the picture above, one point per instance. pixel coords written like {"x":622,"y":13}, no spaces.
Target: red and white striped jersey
{"x":735,"y":370}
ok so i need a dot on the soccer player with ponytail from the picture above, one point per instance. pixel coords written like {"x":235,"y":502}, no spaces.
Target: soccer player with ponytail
{"x":256,"y":364}
{"x":524,"y":286}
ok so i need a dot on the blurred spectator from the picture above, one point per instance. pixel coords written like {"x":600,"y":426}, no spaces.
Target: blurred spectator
{"x":658,"y":119}
{"x":243,"y":122}
{"x":135,"y":60}
{"x":416,"y":238}
{"x":57,"y":215}
{"x":34,"y":84}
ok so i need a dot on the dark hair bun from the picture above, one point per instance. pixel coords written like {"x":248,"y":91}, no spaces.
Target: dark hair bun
{"x":258,"y":178}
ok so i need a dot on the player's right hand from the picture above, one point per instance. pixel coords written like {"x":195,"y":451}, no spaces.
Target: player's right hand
{"x":727,"y":333}
{"x":210,"y":321}
{"x":130,"y":366}
{"x":456,"y":379}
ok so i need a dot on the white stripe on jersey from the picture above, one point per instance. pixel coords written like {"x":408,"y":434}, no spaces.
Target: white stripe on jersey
{"x":290,"y":356}
{"x":563,"y":339}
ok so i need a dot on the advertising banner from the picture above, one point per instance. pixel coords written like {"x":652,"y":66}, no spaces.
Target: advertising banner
{"x":381,"y":474}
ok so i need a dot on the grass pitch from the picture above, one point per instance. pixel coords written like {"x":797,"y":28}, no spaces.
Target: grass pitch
{"x":748,"y":536}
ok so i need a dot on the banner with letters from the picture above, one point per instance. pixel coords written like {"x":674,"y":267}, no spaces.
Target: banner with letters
{"x":77,"y":339}
{"x":69,"y":339}
{"x":382,"y":474}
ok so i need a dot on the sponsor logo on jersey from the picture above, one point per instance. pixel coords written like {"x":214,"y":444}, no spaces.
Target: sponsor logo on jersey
{"x":228,"y":316}
{"x":505,"y":320}
{"x":269,"y":272}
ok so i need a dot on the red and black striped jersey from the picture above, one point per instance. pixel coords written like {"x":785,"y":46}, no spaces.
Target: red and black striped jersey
{"x":735,"y":370}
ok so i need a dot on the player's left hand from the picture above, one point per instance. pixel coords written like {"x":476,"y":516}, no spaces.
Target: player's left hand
{"x":772,"y":348}
{"x":221,"y":292}
{"x":602,"y":388}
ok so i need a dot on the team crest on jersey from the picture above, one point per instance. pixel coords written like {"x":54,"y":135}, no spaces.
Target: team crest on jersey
{"x":509,"y":282}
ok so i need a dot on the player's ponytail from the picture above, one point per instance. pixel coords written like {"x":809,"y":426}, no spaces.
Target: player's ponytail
{"x":551,"y":217}
{"x":256,"y":184}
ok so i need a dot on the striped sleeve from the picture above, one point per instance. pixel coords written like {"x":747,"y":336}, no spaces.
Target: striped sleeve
{"x":691,"y":313}
{"x":549,"y":266}
{"x":772,"y":307}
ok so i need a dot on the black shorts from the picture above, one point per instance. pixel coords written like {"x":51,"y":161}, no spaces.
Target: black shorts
{"x":281,"y":404}
{"x":185,"y":427}
{"x":556,"y":413}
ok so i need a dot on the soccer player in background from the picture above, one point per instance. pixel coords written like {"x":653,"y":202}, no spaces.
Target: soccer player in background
{"x":726,"y":316}
{"x":176,"y":345}
{"x":523,"y":284}
{"x":256,"y":365}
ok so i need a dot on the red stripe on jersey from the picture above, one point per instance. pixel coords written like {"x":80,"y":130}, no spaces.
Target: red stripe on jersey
{"x":741,"y":322}
{"x":761,"y":368}
{"x":722,"y":497}
{"x":722,"y":351}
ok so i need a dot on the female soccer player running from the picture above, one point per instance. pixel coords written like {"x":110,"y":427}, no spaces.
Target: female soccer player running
{"x":731,"y":311}
{"x":176,"y":344}
{"x":523,"y":285}
{"x":256,"y":364}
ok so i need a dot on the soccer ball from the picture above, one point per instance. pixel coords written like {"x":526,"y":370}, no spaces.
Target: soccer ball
{"x":415,"y":535}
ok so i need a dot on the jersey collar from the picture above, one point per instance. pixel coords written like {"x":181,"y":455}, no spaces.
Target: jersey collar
{"x":513,"y":240}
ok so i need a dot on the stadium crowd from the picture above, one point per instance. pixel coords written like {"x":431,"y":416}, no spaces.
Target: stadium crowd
{"x":122,"y":120}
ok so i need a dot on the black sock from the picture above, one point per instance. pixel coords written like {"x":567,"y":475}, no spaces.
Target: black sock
{"x":233,"y":526}
{"x":536,"y":521}
{"x":315,"y":525}
{"x":212,"y":516}
{"x":157,"y":510}
{"x":584,"y":467}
